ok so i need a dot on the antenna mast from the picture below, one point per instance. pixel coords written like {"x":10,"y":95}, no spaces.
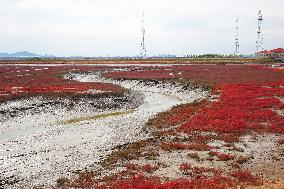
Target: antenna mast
{"x":143,"y":48}
{"x":259,"y":42}
{"x":237,"y":44}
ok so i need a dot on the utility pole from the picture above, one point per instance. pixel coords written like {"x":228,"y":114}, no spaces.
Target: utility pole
{"x":259,"y":42}
{"x":237,"y":44}
{"x":143,"y":48}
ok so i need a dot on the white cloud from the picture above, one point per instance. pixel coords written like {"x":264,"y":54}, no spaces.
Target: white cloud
{"x":112,"y":27}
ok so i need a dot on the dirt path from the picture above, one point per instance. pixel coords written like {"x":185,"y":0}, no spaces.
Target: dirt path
{"x":38,"y":149}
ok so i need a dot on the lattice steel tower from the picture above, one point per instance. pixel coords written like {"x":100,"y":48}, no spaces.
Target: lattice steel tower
{"x":259,"y":42}
{"x":143,"y":48}
{"x":237,"y":44}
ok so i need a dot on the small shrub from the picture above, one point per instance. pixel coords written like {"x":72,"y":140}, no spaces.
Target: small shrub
{"x":194,"y":156}
{"x":185,"y":167}
{"x":245,"y":176}
{"x":280,"y":141}
{"x":222,"y":156}
{"x":148,"y":168}
{"x":170,"y":146}
{"x":242,"y":159}
{"x":151,"y":154}
{"x":84,"y":180}
{"x":127,"y":152}
{"x":62,"y":181}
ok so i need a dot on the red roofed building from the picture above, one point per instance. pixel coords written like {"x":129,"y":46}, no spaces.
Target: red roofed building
{"x":274,"y":53}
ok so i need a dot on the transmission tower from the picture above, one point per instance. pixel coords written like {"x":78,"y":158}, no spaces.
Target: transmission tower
{"x":259,"y":42}
{"x":143,"y":48}
{"x":237,"y":44}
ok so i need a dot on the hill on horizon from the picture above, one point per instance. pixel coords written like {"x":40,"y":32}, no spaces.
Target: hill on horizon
{"x":19,"y":54}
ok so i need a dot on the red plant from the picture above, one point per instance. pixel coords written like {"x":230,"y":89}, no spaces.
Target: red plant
{"x":18,"y":81}
{"x":194,"y":156}
{"x":222,"y":156}
{"x":142,"y":182}
{"x":280,"y":141}
{"x":228,"y":138}
{"x":148,"y":168}
{"x":241,"y":108}
{"x":198,"y":147}
{"x":245,"y":176}
{"x":185,"y":167}
{"x":170,"y":146}
{"x":84,"y":180}
{"x":248,"y":97}
{"x":210,"y":74}
{"x":178,"y":114}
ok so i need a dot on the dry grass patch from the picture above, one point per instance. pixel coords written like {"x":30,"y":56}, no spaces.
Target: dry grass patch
{"x":127,"y":152}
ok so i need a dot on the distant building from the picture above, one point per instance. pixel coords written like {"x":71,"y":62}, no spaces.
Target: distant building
{"x":275,"y":53}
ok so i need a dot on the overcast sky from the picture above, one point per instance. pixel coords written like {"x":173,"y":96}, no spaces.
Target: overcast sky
{"x":113,"y":27}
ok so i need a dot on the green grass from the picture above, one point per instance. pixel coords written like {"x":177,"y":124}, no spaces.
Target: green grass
{"x":94,"y":117}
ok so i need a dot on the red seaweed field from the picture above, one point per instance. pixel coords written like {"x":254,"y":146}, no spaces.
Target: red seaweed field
{"x":229,"y":135}
{"x":249,"y":100}
{"x":19,"y":81}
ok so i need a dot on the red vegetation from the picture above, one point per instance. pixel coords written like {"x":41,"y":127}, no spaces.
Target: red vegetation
{"x":142,"y":182}
{"x":185,"y":167}
{"x":194,"y":156}
{"x":228,"y":138}
{"x":18,"y":81}
{"x":84,"y":180}
{"x":280,"y":141}
{"x":241,"y":108}
{"x":222,"y":156}
{"x":242,"y":159}
{"x":170,"y":146}
{"x":209,"y":74}
{"x":196,"y":170}
{"x":247,"y":103}
{"x":249,"y":98}
{"x":245,"y":176}
{"x":177,"y":115}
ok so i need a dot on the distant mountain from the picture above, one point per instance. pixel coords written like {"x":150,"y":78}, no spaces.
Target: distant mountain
{"x":23,"y":54}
